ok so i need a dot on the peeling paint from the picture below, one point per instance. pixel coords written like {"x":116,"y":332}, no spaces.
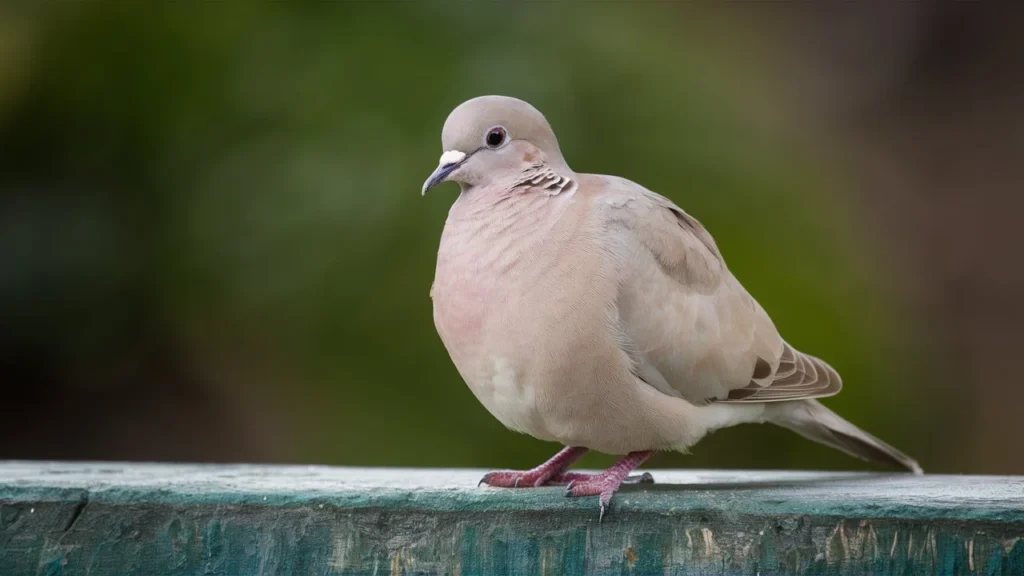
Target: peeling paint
{"x":970,"y":554}
{"x":709,"y":541}
{"x":1009,"y":544}
{"x":342,"y":545}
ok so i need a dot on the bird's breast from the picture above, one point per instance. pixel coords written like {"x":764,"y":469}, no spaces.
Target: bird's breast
{"x":489,"y":263}
{"x":479,"y":288}
{"x":490,"y":308}
{"x":474,"y":297}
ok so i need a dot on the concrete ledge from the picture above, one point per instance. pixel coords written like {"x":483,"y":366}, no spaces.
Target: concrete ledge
{"x":130,"y":519}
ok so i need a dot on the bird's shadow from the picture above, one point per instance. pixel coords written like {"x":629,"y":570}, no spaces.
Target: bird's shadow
{"x":758,"y":485}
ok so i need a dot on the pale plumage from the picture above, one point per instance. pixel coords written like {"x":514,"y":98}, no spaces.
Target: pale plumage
{"x":590,"y":311}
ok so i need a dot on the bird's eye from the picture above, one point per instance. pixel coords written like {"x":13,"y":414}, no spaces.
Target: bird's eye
{"x":495,"y":137}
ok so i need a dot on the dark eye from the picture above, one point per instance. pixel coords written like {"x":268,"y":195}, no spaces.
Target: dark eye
{"x":495,"y":137}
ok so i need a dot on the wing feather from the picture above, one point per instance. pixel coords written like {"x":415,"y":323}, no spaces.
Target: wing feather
{"x":811,"y":378}
{"x":692,"y":329}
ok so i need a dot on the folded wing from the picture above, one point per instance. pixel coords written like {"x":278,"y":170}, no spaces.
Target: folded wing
{"x":687,"y":323}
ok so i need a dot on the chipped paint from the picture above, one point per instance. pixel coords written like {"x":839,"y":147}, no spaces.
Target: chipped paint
{"x":709,"y":541}
{"x":1010,"y":543}
{"x":342,"y":546}
{"x":970,"y":554}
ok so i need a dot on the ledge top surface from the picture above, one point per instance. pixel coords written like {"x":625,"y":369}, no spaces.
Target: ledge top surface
{"x":996,"y":498}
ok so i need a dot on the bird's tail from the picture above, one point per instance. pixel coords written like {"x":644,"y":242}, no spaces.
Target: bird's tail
{"x":812,"y":420}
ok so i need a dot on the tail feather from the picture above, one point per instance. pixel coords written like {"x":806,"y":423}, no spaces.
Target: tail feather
{"x":812,"y":420}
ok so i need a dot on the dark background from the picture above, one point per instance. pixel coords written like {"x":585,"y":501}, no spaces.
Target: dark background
{"x":213,"y":248}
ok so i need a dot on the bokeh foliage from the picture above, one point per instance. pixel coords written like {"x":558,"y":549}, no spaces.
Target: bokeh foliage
{"x":240,"y":181}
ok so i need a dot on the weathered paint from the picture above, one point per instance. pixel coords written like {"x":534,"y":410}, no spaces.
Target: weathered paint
{"x":100,"y":519}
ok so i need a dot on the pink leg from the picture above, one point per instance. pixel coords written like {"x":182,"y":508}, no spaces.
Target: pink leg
{"x":540,"y":475}
{"x":606,"y":483}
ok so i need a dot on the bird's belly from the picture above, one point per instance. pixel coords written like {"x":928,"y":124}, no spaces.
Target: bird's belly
{"x":473,"y":321}
{"x":508,"y":395}
{"x":482,"y":347}
{"x":523,"y":377}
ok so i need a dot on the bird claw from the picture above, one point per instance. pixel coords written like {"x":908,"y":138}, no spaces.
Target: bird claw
{"x":644,"y":478}
{"x":513,"y":479}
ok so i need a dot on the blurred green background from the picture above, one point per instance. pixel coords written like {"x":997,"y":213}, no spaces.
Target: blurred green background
{"x":213,"y":247}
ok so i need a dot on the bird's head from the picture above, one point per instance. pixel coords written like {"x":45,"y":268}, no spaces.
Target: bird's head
{"x":491,"y":137}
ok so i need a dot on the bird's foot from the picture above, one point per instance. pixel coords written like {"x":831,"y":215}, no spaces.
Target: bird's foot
{"x":539,"y":476}
{"x":605,"y":484}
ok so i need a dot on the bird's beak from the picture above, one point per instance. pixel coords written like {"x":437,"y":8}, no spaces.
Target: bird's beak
{"x":450,"y":160}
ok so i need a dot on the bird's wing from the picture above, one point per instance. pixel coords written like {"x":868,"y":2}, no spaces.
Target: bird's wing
{"x":689,"y":326}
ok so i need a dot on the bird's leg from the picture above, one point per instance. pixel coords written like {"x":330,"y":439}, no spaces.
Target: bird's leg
{"x":606,"y":483}
{"x":539,"y":476}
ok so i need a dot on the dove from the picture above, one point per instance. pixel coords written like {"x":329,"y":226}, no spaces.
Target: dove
{"x":587,"y":310}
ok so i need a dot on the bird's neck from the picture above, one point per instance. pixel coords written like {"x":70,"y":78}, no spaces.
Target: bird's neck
{"x":497,"y":245}
{"x":495,"y":228}
{"x":537,"y":177}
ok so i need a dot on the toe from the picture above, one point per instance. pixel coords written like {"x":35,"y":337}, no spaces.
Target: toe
{"x":606,"y":503}
{"x":502,"y":479}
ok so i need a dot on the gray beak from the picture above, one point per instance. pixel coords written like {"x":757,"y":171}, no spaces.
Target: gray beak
{"x":449,"y":162}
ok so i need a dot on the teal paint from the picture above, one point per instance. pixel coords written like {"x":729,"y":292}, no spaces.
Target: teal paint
{"x":470,"y":555}
{"x":78,"y":519}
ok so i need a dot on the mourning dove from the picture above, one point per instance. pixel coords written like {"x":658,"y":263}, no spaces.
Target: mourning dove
{"x":589,"y":311}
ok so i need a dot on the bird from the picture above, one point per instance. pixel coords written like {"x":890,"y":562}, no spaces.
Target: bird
{"x":587,"y":310}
